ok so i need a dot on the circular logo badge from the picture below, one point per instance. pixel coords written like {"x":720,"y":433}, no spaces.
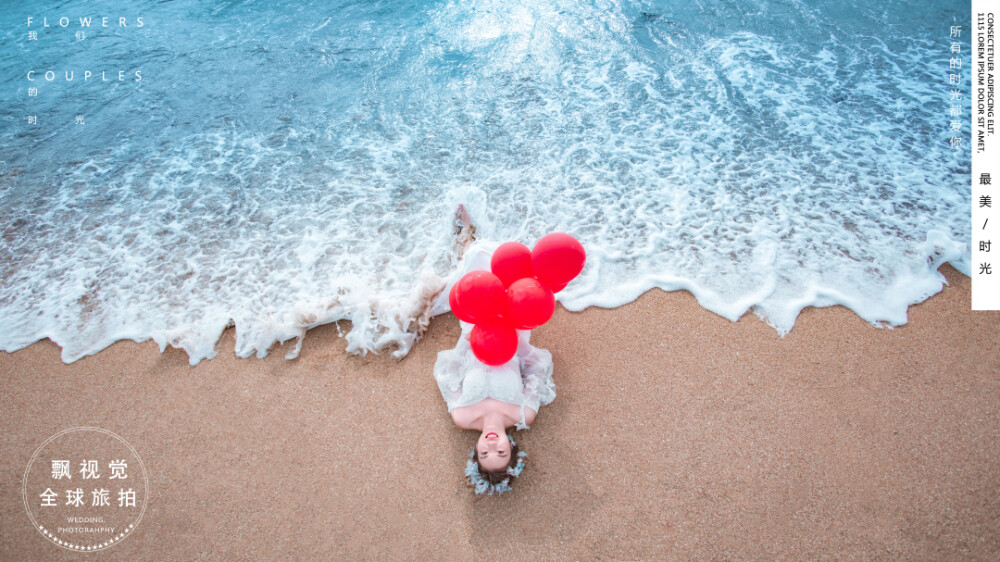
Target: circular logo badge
{"x":85,"y":489}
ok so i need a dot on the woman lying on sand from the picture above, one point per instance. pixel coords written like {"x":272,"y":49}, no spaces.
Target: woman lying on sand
{"x":492,"y":399}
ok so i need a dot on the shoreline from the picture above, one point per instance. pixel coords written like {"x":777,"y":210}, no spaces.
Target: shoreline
{"x":675,"y":433}
{"x":434,"y":304}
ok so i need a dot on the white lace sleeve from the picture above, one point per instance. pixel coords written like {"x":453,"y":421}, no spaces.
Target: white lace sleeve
{"x":536,"y":372}
{"x":448,"y":376}
{"x":450,"y":368}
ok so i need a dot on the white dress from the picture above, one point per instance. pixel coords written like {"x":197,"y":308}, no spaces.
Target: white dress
{"x":525,"y":380}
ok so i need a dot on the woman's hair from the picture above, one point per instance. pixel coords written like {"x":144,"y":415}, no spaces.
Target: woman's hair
{"x":495,"y":481}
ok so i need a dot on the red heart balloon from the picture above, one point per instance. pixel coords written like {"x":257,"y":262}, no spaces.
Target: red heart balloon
{"x":529,"y":304}
{"x":511,"y":261}
{"x":480,"y":296}
{"x":493,"y":342}
{"x":557,"y":287}
{"x":456,"y":308}
{"x":556,"y":259}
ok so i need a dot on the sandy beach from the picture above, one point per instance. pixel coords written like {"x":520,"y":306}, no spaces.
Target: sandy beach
{"x":676,"y":434}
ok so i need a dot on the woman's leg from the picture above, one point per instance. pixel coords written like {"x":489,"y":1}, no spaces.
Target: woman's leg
{"x":465,"y":231}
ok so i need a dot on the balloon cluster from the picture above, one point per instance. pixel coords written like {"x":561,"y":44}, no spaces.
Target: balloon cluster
{"x":517,"y":294}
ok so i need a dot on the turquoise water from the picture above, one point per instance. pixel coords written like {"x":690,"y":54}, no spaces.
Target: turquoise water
{"x":278,"y":167}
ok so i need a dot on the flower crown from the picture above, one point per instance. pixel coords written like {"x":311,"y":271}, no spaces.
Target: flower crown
{"x":483,"y":485}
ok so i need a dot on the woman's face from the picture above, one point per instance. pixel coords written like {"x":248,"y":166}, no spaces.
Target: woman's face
{"x":494,"y":451}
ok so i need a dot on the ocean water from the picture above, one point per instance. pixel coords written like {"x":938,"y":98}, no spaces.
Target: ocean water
{"x":284,"y":165}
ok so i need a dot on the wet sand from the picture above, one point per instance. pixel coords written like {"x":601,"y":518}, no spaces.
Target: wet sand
{"x":676,"y":434}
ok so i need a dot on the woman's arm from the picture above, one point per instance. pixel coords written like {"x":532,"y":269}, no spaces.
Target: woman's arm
{"x":462,"y":418}
{"x":529,"y":415}
{"x":536,"y":373}
{"x":449,"y":370}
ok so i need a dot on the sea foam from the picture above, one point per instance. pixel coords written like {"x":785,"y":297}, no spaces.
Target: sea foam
{"x":765,"y":156}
